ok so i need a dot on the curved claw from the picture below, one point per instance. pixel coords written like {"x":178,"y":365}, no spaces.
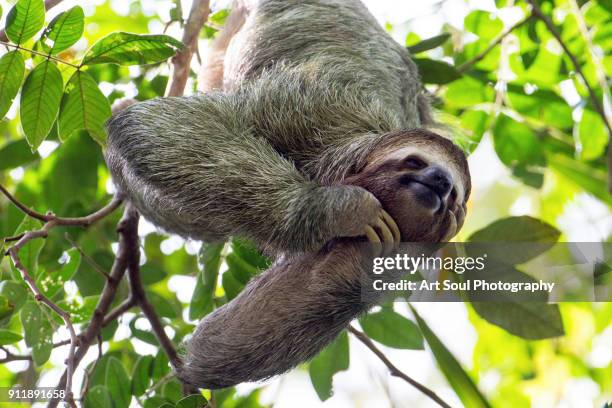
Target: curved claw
{"x":385,"y":232}
{"x":371,"y":234}
{"x":397,"y":236}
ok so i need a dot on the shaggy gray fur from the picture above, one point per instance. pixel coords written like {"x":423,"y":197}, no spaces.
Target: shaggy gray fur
{"x":310,"y":89}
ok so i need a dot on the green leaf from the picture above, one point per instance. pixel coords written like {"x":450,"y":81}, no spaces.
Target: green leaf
{"x":9,"y":337}
{"x":38,"y":332}
{"x":516,"y":143}
{"x":143,"y":335}
{"x":517,"y":229}
{"x":161,"y":366}
{"x":163,"y":306}
{"x":429,"y":43}
{"x":98,"y":397}
{"x":209,"y":261}
{"x":118,"y":383}
{"x":30,"y":252}
{"x":219,"y":17}
{"x":192,"y":401}
{"x":241,"y":269}
{"x":64,"y":30}
{"x":15,"y":293}
{"x":592,"y":134}
{"x":462,"y":383}
{"x":71,"y":179}
{"x":24,"y":20}
{"x":6,"y":309}
{"x":483,"y":24}
{"x":40,"y":99}
{"x":141,"y":375}
{"x":12,"y":68}
{"x":132,"y":49}
{"x":51,"y":282}
{"x":436,"y":72}
{"x":592,"y":179}
{"x":332,"y":359}
{"x":231,"y":285}
{"x":16,"y":153}
{"x":392,"y":329}
{"x":529,"y":320}
{"x":247,"y":251}
{"x":532,"y":237}
{"x":467,"y":92}
{"x":80,"y":312}
{"x":83,"y":106}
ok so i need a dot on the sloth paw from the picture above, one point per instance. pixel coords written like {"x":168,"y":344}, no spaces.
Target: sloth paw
{"x":383,"y":233}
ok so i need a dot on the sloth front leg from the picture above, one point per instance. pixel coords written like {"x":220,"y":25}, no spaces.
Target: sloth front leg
{"x":194,"y":167}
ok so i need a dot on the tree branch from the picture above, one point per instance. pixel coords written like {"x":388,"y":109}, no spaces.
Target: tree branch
{"x":127,"y":227}
{"x":138,"y":296}
{"x":182,"y":60}
{"x":469,"y":64}
{"x":537,"y":11}
{"x":49,"y":4}
{"x":396,"y":372}
{"x":13,"y":253}
{"x":85,"y":221}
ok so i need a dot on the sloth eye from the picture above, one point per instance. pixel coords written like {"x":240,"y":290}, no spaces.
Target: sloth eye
{"x":414,"y":163}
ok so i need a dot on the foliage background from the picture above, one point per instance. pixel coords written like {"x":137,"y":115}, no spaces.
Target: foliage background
{"x":515,"y":101}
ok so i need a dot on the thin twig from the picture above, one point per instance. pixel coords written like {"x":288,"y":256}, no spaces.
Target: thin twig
{"x":140,"y":298}
{"x":599,"y":72}
{"x":118,"y":311}
{"x":182,"y":60}
{"x":396,"y":372}
{"x":41,"y":298}
{"x":49,"y":4}
{"x":14,"y":237}
{"x":86,"y":257}
{"x":127,"y":226}
{"x":469,"y":64}
{"x":12,"y":357}
{"x":85,"y":221}
{"x":42,"y":54}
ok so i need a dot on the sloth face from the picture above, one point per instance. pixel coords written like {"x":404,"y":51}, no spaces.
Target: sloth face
{"x":423,"y":185}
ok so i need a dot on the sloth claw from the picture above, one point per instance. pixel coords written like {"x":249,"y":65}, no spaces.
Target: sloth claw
{"x":383,"y":234}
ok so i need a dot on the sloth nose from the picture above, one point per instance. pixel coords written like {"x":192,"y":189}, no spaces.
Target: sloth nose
{"x":438,"y":179}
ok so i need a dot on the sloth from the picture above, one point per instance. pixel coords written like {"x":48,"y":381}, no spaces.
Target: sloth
{"x":313,"y":136}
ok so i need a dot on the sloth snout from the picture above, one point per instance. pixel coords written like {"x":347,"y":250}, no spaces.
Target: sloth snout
{"x":438,"y":179}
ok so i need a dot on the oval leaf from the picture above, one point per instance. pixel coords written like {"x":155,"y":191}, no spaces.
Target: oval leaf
{"x":24,"y":20}
{"x":16,"y":153}
{"x":462,"y":383}
{"x":98,"y":397}
{"x":118,"y":383}
{"x":9,"y":337}
{"x":529,"y":320}
{"x":40,"y":100}
{"x":38,"y":332}
{"x":429,"y":43}
{"x":132,"y":49}
{"x":332,"y":359}
{"x":141,"y":375}
{"x":392,"y":329}
{"x":16,"y":293}
{"x":64,"y":30}
{"x":83,"y":106}
{"x":12,"y":68}
{"x":436,"y":72}
{"x":517,"y":229}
